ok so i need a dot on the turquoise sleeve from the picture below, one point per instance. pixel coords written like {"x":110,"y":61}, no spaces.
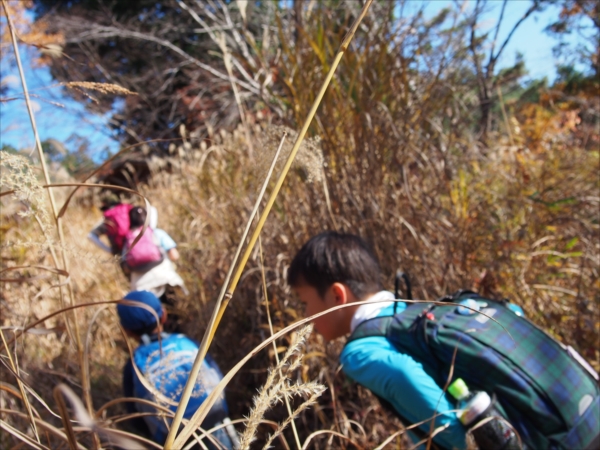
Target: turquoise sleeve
{"x":165,"y":241}
{"x":374,"y":363}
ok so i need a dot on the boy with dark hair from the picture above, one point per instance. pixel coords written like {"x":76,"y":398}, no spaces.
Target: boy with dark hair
{"x":400,"y":363}
{"x":165,"y":361}
{"x":334,"y":269}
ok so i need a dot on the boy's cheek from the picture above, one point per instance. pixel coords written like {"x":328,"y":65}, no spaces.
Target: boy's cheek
{"x":320,"y":326}
{"x":311,"y":309}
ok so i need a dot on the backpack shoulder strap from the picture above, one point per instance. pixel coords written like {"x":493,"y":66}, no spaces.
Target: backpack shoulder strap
{"x":380,"y":326}
{"x":377,"y":326}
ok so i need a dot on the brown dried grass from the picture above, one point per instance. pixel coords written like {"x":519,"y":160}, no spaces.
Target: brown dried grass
{"x":203,"y":204}
{"x":517,"y":220}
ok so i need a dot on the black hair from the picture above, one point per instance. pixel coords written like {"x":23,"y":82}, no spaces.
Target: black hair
{"x":332,"y":257}
{"x":137,"y":217}
{"x":148,"y":329}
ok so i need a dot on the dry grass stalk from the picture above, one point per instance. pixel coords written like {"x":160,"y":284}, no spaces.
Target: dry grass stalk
{"x":223,"y":301}
{"x":161,"y":411}
{"x":46,"y":426}
{"x":404,"y":430}
{"x":12,"y":391}
{"x":103,"y":88}
{"x":66,"y":309}
{"x":24,"y":397}
{"x":86,"y":349}
{"x":266,"y":297}
{"x":22,"y":436}
{"x":314,"y":390}
{"x":64,"y":415}
{"x":116,"y":437}
{"x":431,"y":435}
{"x":203,"y":410}
{"x":277,"y":388}
{"x":330,"y":432}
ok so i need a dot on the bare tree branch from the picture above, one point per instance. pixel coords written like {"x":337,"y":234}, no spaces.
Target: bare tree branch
{"x":102,"y":32}
{"x":497,"y":30}
{"x":535,"y":5}
{"x":473,"y":47}
{"x":237,"y":37}
{"x":215,"y":39}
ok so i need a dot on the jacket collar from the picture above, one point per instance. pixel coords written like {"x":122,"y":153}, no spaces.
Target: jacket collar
{"x":377,"y":302}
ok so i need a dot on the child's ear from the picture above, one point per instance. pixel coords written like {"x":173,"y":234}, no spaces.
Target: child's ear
{"x":340,"y":292}
{"x":163,"y":319}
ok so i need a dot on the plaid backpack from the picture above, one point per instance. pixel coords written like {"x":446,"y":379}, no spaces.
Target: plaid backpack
{"x":551,"y":399}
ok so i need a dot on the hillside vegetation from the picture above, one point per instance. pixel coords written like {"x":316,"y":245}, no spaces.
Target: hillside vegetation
{"x":398,"y":153}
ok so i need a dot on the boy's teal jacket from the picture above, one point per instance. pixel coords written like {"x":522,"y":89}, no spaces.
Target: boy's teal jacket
{"x":377,"y":365}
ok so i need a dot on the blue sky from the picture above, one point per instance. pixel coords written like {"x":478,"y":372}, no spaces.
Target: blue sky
{"x":530,"y":39}
{"x":57,"y":116}
{"x":60,"y":122}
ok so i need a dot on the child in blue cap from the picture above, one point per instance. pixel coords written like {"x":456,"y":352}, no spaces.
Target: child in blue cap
{"x":165,"y":360}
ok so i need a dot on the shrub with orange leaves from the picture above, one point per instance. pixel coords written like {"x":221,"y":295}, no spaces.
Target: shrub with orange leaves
{"x":29,"y":32}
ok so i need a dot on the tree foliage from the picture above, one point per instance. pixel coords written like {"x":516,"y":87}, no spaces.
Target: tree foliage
{"x":580,"y":18}
{"x":173,"y":54}
{"x":166,"y":52}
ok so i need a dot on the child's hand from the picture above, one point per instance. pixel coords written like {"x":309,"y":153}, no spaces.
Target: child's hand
{"x":173,"y":254}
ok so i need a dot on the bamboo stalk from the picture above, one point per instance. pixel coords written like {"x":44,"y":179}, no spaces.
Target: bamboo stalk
{"x":238,"y":251}
{"x":222,"y":302}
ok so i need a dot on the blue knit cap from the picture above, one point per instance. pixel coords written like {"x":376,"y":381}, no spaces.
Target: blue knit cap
{"x":135,"y":318}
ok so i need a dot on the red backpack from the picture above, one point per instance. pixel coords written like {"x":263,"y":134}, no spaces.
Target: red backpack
{"x":116,"y":223}
{"x":145,"y":254}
